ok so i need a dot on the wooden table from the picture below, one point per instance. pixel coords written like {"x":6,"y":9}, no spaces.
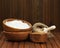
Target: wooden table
{"x":51,"y":43}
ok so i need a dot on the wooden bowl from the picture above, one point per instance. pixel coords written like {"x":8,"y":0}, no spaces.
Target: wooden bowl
{"x":37,"y":37}
{"x":16,"y":36}
{"x":8,"y":28}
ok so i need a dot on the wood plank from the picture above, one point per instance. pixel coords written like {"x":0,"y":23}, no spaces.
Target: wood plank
{"x":57,"y":42}
{"x":15,"y":45}
{"x":57,"y":36}
{"x":14,"y":8}
{"x":32,"y":45}
{"x":53,"y":43}
{"x":21,"y":45}
{"x":49,"y":45}
{"x":4,"y":45}
{"x":20,"y":8}
{"x":37,"y":45}
{"x":27,"y":45}
{"x":2,"y":39}
{"x":9,"y":45}
{"x":46,"y":11}
{"x":43,"y":45}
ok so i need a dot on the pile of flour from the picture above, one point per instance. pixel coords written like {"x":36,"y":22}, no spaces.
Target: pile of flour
{"x":17,"y":24}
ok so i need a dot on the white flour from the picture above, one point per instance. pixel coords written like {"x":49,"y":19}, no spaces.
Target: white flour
{"x":17,"y":24}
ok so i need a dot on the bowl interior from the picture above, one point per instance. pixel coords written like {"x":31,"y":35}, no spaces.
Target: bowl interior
{"x":17,"y":24}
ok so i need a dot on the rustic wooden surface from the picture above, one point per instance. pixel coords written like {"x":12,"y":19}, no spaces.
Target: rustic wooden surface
{"x":46,"y":11}
{"x":51,"y":43}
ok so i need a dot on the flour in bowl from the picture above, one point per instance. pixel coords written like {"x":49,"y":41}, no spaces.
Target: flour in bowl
{"x":17,"y":24}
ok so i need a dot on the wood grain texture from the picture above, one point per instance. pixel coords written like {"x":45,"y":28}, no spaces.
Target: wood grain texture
{"x":53,"y":42}
{"x":46,"y":11}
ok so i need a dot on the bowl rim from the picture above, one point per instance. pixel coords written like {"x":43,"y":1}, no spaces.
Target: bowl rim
{"x":10,"y":19}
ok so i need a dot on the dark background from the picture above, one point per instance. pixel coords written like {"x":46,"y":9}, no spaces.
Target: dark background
{"x":45,"y":11}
